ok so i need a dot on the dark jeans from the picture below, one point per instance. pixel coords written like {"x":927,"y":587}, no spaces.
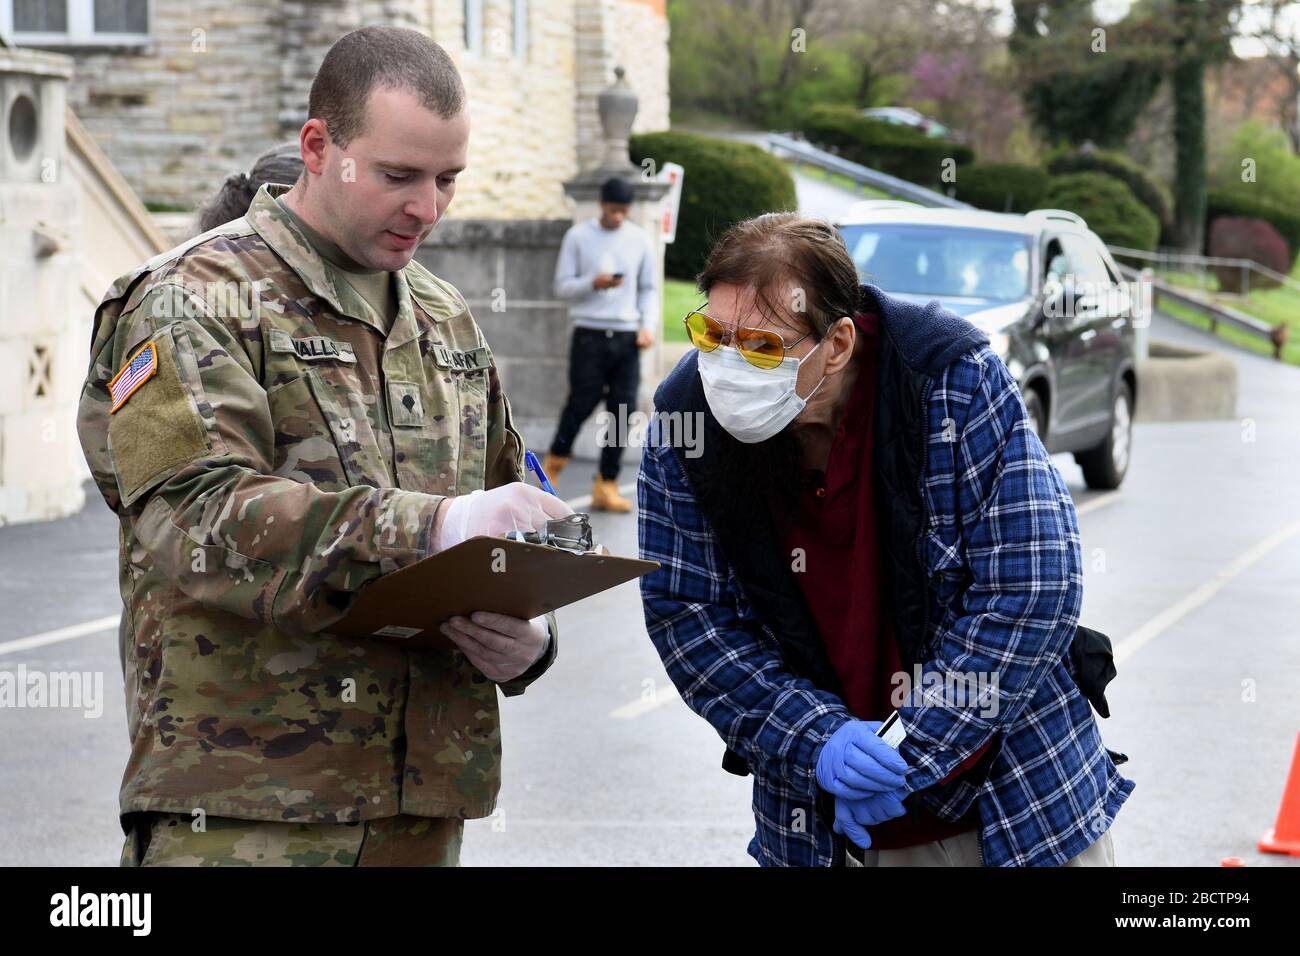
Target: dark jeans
{"x":601,"y":365}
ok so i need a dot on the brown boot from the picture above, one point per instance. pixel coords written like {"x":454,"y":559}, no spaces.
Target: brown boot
{"x":605,"y":497}
{"x":553,"y":465}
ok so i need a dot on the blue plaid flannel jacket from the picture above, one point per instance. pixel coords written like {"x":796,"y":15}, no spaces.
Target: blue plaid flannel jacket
{"x":1002,"y":542}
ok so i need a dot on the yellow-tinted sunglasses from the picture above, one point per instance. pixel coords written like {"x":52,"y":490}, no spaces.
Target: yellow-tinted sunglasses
{"x":760,"y":347}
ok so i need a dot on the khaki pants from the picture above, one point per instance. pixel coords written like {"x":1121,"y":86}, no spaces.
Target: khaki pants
{"x":964,"y":850}
{"x":169,"y":839}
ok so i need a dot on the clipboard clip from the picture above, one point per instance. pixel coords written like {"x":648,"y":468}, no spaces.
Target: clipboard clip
{"x":570,"y":533}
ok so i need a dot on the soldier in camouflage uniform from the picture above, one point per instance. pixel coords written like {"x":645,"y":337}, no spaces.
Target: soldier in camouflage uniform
{"x":271,"y":444}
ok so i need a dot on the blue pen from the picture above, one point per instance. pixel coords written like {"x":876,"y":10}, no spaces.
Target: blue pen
{"x":536,"y":466}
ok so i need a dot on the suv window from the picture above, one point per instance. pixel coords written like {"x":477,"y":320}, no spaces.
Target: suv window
{"x":1086,"y":262}
{"x":1057,"y":264}
{"x":941,"y":260}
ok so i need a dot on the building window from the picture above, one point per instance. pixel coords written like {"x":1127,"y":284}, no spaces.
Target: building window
{"x":76,"y":22}
{"x":38,"y":16}
{"x":474,"y":26}
{"x":122,"y":16}
{"x":521,"y":29}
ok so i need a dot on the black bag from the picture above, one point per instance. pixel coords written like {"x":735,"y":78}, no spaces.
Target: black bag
{"x":1094,"y":666}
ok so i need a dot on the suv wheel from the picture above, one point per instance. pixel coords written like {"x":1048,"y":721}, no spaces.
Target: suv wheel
{"x":1105,"y":466}
{"x":1037,"y":414}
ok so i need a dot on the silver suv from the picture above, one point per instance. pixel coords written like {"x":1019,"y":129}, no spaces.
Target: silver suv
{"x":1046,"y":291}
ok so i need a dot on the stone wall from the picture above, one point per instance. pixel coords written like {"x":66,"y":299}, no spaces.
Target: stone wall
{"x":198,"y":103}
{"x":505,"y":268}
{"x":632,"y":34}
{"x":640,"y":45}
{"x":522,"y":129}
{"x":221,"y":80}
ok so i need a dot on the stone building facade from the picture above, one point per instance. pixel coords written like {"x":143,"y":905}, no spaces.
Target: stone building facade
{"x":215,"y":82}
{"x":202,"y":87}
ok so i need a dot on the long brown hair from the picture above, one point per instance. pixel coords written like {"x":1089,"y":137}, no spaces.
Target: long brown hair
{"x":801,"y":274}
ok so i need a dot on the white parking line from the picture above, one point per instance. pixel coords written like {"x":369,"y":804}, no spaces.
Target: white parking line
{"x":110,"y":623}
{"x":1101,"y":501}
{"x":585,"y":823}
{"x":577,"y":504}
{"x":61,"y":634}
{"x":1124,"y":648}
{"x":643,"y":705}
{"x":667,"y":694}
{"x":1148,"y":632}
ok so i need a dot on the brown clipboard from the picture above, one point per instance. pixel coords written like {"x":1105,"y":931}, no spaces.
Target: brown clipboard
{"x":481,"y":574}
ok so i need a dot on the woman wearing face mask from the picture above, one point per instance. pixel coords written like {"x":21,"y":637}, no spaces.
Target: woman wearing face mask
{"x":869,"y":526}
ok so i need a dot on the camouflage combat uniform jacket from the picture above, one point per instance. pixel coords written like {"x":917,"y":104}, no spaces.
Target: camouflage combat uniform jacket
{"x":277,"y":453}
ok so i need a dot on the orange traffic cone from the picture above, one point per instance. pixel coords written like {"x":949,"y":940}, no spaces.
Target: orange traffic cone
{"x":1284,"y":837}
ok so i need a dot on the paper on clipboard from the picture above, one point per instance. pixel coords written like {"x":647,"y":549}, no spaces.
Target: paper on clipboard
{"x":517,"y":578}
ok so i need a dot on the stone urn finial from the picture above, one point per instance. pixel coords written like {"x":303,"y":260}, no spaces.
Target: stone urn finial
{"x":617,"y":105}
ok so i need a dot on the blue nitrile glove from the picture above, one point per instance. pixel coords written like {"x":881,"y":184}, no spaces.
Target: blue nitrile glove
{"x":855,"y":763}
{"x":853,"y":816}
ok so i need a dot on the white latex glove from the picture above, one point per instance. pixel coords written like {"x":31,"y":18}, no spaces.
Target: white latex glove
{"x":500,"y":646}
{"x":512,"y":507}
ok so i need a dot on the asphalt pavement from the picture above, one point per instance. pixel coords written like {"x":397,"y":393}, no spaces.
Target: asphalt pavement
{"x":1193,"y":568}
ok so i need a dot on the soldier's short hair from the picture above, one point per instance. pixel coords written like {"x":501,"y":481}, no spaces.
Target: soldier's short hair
{"x":376,"y":57}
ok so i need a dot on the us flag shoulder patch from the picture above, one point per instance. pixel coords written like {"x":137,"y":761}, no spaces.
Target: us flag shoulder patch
{"x":141,"y":367}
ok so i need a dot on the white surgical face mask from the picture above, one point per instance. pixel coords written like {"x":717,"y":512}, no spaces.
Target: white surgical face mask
{"x":752,"y":403}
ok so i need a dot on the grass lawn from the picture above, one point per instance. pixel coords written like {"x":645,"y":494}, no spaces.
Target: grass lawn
{"x":679,"y":298}
{"x":1290,"y":352}
{"x":1280,"y":306}
{"x":707,"y":121}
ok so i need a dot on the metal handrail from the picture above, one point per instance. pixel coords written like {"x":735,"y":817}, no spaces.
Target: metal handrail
{"x":1216,"y":312}
{"x":1247,"y":265}
{"x":863,"y":175}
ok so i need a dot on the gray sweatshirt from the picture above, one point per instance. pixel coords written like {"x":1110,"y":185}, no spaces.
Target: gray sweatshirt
{"x":588,"y":250}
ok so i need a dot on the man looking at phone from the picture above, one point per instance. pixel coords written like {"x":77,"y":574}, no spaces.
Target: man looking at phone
{"x":606,"y":270}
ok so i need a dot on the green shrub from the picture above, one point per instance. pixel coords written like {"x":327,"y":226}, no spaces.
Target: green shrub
{"x":1256,"y":162}
{"x":898,"y":150}
{"x":1001,"y":187}
{"x":1148,"y":190}
{"x":725,"y":182}
{"x":1109,"y":207}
